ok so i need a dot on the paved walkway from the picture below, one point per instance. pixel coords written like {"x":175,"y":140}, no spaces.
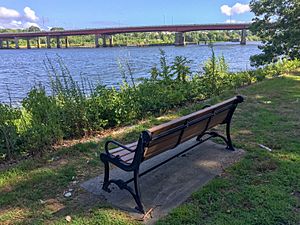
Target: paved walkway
{"x":171,"y":184}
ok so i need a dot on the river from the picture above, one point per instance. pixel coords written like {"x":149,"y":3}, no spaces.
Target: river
{"x":21,"y":69}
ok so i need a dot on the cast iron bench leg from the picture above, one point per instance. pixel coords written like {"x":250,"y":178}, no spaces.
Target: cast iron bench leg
{"x":229,"y":142}
{"x":136,"y":193}
{"x":137,"y":196}
{"x":106,"y":182}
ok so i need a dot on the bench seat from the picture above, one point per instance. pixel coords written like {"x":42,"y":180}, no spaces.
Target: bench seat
{"x":124,"y":155}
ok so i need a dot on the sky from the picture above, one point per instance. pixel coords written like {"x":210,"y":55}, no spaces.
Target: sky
{"x":76,"y":14}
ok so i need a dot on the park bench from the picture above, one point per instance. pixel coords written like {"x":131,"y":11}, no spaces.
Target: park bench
{"x":166,"y":137}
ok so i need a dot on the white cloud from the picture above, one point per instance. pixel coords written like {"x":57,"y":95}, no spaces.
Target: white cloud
{"x":225,"y":9}
{"x":236,"y":21}
{"x":11,"y":18}
{"x":14,"y":24}
{"x":6,"y":13}
{"x":238,"y":8}
{"x":30,"y":14}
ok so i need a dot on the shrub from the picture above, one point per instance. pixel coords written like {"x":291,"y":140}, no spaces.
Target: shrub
{"x":43,"y":125}
{"x":70,"y":98}
{"x":8,"y":130}
{"x":216,"y":77}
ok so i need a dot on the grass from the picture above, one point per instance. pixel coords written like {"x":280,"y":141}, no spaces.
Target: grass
{"x":264,"y":188}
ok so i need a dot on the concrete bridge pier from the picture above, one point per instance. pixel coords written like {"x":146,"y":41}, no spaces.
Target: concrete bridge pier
{"x":1,"y":43}
{"x":48,"y":41}
{"x":58,"y":42}
{"x":243,"y":37}
{"x":111,"y":41}
{"x":7,"y":44}
{"x":28,"y":43}
{"x":38,"y":42}
{"x":104,"y":40}
{"x":97,"y":41}
{"x":66,"y":42}
{"x":179,"y":39}
{"x":17,"y":42}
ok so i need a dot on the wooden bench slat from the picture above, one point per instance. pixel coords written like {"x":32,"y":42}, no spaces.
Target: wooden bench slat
{"x":194,"y":130}
{"x":177,"y":122}
{"x":121,"y":153}
{"x":129,"y":157}
{"x":218,"y":118}
{"x":166,"y":126}
{"x":131,"y":146}
{"x":124,"y":154}
{"x":217,"y":114}
{"x":162,"y":144}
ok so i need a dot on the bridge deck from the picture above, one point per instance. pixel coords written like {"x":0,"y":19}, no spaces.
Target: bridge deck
{"x":119,"y":30}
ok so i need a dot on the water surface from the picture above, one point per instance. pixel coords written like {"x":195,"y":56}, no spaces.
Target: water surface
{"x":22,"y":69}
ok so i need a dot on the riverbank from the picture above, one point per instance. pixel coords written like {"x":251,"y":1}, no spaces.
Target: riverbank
{"x":261,"y":183}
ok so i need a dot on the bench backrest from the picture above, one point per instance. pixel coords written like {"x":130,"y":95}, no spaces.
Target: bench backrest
{"x":168,"y":135}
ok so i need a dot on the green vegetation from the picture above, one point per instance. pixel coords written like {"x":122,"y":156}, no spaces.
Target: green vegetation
{"x":277,"y":24}
{"x":75,"y":110}
{"x":262,"y":189}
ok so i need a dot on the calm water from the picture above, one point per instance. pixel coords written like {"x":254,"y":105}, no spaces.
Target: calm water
{"x":22,"y":69}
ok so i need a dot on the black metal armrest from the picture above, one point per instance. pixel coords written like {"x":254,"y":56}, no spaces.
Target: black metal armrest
{"x":117,"y":144}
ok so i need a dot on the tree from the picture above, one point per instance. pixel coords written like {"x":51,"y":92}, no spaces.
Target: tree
{"x":57,"y":29}
{"x":33,"y":29}
{"x":277,"y":23}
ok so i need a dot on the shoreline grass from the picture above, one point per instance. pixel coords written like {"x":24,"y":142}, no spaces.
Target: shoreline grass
{"x":264,"y":188}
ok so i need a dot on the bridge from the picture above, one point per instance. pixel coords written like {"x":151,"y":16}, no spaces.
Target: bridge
{"x":107,"y":34}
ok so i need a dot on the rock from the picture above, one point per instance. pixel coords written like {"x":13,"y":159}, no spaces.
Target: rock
{"x":265,"y":147}
{"x":55,"y":158}
{"x":68,"y":218}
{"x":67,"y":194}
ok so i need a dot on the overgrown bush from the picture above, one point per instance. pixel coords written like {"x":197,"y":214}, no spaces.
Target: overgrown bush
{"x":216,"y":76}
{"x":8,"y":130}
{"x":70,"y":99}
{"x":43,"y":125}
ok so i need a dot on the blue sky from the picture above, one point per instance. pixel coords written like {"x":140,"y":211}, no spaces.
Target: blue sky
{"x":98,"y":13}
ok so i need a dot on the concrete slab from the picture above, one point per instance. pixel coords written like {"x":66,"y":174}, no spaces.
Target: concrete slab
{"x":171,"y":184}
